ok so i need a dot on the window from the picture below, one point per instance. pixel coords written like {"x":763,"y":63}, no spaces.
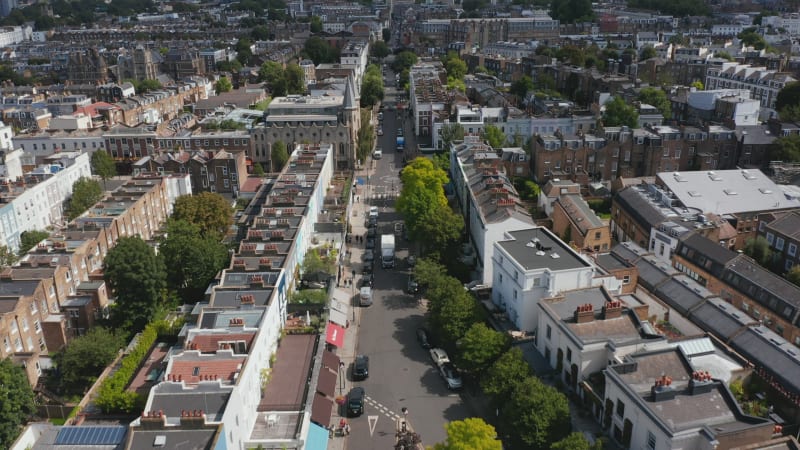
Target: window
{"x":37,"y":326}
{"x":626,"y":279}
{"x":226,"y":183}
{"x":651,"y":441}
{"x":515,"y":294}
{"x":501,"y":278}
{"x":33,"y":308}
{"x":597,"y":234}
{"x":224,"y":170}
{"x":569,"y":354}
{"x":41,"y":343}
{"x":779,"y":243}
{"x":537,"y":282}
{"x":549,"y":332}
{"x":196,"y":371}
{"x":770,"y":238}
{"x":6,"y":344}
{"x":792,"y":248}
{"x":620,"y":408}
{"x":516,"y":275}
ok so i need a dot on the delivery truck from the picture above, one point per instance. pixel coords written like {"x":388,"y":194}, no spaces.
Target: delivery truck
{"x":387,"y":251}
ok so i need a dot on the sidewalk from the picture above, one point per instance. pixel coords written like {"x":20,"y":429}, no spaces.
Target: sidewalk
{"x":346,"y":293}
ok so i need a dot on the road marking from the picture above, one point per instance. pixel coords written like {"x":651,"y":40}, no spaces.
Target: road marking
{"x":386,"y":411}
{"x":373,"y":420}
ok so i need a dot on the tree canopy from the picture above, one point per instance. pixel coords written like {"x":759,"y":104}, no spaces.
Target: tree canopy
{"x":18,"y":401}
{"x":469,"y":434}
{"x":223,"y":85}
{"x":788,"y":102}
{"x":191,"y":259}
{"x":103,"y":165}
{"x":571,"y":11}
{"x":480,"y":347}
{"x":85,"y":193}
{"x":29,"y":239}
{"x":137,"y":277}
{"x":316,"y":260}
{"x":786,"y":149}
{"x":678,"y":8}
{"x":535,"y":415}
{"x":758,"y":249}
{"x":658,"y":98}
{"x":451,"y":132}
{"x":576,"y":441}
{"x":494,"y":136}
{"x":372,"y":86}
{"x":521,"y":87}
{"x":279,"y":155}
{"x":211,"y":212}
{"x":379,"y":49}
{"x":316,"y":24}
{"x":501,"y":378}
{"x":295,"y":79}
{"x":403,"y":61}
{"x":793,"y":275}
{"x":455,"y":66}
{"x":319,"y":51}
{"x":619,"y":113}
{"x":85,"y":357}
{"x":452,"y":310}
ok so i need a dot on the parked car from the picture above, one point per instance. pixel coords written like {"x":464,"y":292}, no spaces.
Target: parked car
{"x":400,"y":132}
{"x":370,"y":244}
{"x":380,"y":116}
{"x":368,"y":268}
{"x":423,"y":338}
{"x":355,"y":401}
{"x":380,"y":131}
{"x":369,"y":256}
{"x":412,"y":260}
{"x":439,"y":356}
{"x":450,"y":375}
{"x":366,"y":281}
{"x":361,"y":367}
{"x":365,"y":296}
{"x":371,"y":231}
{"x":412,"y":287}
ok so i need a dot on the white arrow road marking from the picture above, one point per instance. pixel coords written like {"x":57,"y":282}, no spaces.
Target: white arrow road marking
{"x":373,"y":420}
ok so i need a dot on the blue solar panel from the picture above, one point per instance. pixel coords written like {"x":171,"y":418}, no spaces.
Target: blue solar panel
{"x":91,"y":435}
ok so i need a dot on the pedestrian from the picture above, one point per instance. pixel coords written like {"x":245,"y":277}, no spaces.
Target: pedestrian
{"x":347,"y":429}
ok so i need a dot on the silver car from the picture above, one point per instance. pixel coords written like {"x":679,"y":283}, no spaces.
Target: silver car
{"x":451,"y":376}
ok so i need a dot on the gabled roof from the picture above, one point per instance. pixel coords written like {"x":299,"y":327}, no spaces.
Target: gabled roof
{"x":350,"y":94}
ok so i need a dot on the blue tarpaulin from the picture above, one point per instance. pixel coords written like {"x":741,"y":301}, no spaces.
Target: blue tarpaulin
{"x":317,"y":438}
{"x":360,"y":180}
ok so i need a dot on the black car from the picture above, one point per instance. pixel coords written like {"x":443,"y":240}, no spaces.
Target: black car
{"x":366,"y":280}
{"x":370,"y":244}
{"x":371,"y":232}
{"x":361,"y":367}
{"x":369,"y":256}
{"x":422,"y":337}
{"x":412,"y":287}
{"x":368,"y":268}
{"x":355,"y":402}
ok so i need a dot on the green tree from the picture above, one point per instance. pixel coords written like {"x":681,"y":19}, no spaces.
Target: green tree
{"x":793,"y":275}
{"x":258,"y":169}
{"x":295,"y":79}
{"x":647,"y":53}
{"x":136,"y":275}
{"x":229,"y":66}
{"x":452,"y":310}
{"x":320,"y":51}
{"x":85,"y":193}
{"x":758,"y":249}
{"x":386,"y":34}
{"x":85,"y":357}
{"x":315,"y":261}
{"x":574,"y":441}
{"x":244,"y":54}
{"x":403,"y":61}
{"x":372,"y":86}
{"x":278,"y":156}
{"x":698,"y":85}
{"x":535,"y":415}
{"x":788,"y":102}
{"x":146,"y":85}
{"x":223,"y":85}
{"x":724,"y":55}
{"x":494,"y":136}
{"x":786,"y":149}
{"x":191,"y":259}
{"x":480,"y":347}
{"x":572,"y":54}
{"x":366,"y":135}
{"x":429,"y":272}
{"x":438,"y":230}
{"x":521,"y":87}
{"x":29,"y":239}
{"x":658,"y":98}
{"x":469,"y":434}
{"x":455,"y":66}
{"x":505,"y":373}
{"x":379,"y":49}
{"x":571,"y":11}
{"x":18,"y":401}
{"x":260,"y":33}
{"x":273,"y":73}
{"x":422,"y":202}
{"x":103,"y":165}
{"x":451,"y":132}
{"x":316,"y":24}
{"x":211,"y":212}
{"x":7,"y":257}
{"x":619,"y":113}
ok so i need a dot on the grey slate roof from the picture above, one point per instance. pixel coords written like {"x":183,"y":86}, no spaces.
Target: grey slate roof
{"x":639,"y":207}
{"x":778,"y":356}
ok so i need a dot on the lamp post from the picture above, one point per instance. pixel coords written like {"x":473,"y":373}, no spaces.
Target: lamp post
{"x":353,"y":287}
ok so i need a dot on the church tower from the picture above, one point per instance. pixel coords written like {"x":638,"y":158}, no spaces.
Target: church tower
{"x":352,"y":118}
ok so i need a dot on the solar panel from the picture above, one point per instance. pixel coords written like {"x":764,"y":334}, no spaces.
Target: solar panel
{"x":109,"y":435}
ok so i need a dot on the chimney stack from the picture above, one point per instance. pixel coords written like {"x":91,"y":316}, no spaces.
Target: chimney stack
{"x":193,"y":419}
{"x":612,"y":309}
{"x":584,"y":313}
{"x":153,"y":420}
{"x":256,"y":281}
{"x":264,"y":264}
{"x":662,"y":389}
{"x":701,"y":382}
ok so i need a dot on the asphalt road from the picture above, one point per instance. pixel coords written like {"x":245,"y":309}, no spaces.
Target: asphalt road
{"x":401,"y":372}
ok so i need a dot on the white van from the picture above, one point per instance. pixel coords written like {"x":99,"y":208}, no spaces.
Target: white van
{"x":378,"y":154}
{"x":365,"y":296}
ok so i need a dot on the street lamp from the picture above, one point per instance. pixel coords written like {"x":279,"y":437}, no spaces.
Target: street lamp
{"x":353,"y":287}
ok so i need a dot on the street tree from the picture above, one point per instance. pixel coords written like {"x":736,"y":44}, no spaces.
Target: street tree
{"x":451,"y":132}
{"x":535,"y":415}
{"x":480,"y":347}
{"x":424,"y":206}
{"x":85,"y":193}
{"x":658,"y":98}
{"x":366,"y":135}
{"x":758,"y":249}
{"x":372,"y":86}
{"x":429,"y":272}
{"x":295,"y":79}
{"x":503,"y":375}
{"x":191,"y":259}
{"x":521,"y":87}
{"x":211,"y":212}
{"x":103,"y":165}
{"x":18,"y":401}
{"x":403,"y":61}
{"x":494,"y":136}
{"x":469,"y":434}
{"x":786,"y":149}
{"x":577,"y":441}
{"x":452,"y":312}
{"x":272,"y":72}
{"x":223,"y":85}
{"x":279,"y":155}
{"x":316,"y":24}
{"x":379,"y":49}
{"x":619,"y":113}
{"x":85,"y":357}
{"x":136,"y":275}
{"x":438,"y":230}
{"x":29,"y":239}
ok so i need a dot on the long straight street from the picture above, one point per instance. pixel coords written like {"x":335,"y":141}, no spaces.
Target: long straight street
{"x":401,"y":372}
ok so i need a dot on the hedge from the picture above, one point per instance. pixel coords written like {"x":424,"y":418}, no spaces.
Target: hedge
{"x":112,"y":396}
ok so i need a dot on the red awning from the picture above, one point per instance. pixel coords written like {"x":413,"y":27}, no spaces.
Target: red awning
{"x":335,"y":335}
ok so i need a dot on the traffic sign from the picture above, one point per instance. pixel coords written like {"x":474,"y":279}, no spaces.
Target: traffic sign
{"x":373,"y":420}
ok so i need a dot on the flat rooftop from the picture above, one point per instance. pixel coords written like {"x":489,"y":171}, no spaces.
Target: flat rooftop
{"x":551,"y":254}
{"x":728,"y":191}
{"x":284,"y":392}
